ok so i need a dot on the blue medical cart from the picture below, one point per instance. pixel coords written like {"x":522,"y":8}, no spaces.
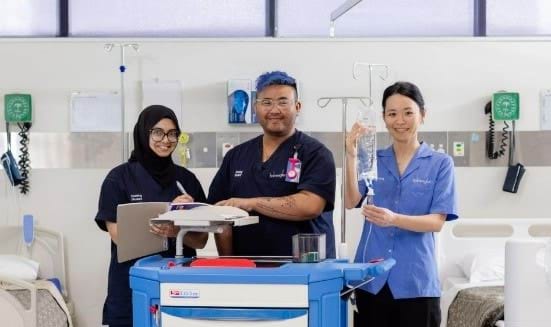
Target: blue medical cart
{"x":169,"y":293}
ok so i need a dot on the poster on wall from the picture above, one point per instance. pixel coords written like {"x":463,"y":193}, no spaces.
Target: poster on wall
{"x":95,"y":112}
{"x":240,"y":99}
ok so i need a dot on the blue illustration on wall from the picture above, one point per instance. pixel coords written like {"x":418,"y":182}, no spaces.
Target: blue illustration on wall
{"x":238,"y":103}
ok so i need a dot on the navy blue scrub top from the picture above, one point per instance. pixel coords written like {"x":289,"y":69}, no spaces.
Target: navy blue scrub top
{"x":131,"y":183}
{"x":244,"y":175}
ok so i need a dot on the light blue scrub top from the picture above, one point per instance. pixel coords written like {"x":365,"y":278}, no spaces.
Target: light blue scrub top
{"x":427,"y":186}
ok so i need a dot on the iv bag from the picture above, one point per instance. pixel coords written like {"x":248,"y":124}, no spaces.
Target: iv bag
{"x":367,"y":146}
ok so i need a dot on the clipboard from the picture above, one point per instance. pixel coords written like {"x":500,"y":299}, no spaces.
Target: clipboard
{"x":134,"y":238}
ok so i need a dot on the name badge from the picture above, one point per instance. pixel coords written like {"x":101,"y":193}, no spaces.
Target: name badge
{"x":293,"y":170}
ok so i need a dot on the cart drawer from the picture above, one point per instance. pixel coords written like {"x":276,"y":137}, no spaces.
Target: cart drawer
{"x":218,"y":317}
{"x":234,"y":295}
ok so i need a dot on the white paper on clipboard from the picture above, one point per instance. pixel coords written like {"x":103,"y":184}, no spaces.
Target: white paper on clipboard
{"x":95,"y":112}
{"x":166,"y":93}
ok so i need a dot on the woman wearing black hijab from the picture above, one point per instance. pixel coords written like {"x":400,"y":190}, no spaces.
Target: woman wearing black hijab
{"x":150,"y":175}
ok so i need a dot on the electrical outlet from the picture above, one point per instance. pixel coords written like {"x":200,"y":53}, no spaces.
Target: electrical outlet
{"x":225,"y":141}
{"x":226,"y":147}
{"x":202,"y":146}
{"x":458,"y":149}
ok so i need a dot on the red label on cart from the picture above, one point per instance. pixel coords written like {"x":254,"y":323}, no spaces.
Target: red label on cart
{"x":185,"y":294}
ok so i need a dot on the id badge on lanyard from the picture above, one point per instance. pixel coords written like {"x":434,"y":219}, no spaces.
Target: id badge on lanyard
{"x":292,"y":174}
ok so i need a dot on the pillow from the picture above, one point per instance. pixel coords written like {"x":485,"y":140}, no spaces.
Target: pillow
{"x":484,"y":266}
{"x":17,"y":267}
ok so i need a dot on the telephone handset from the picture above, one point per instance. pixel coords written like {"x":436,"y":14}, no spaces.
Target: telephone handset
{"x":491,"y":137}
{"x":9,"y":163}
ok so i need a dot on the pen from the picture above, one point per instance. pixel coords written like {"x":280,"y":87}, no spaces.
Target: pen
{"x":181,"y":188}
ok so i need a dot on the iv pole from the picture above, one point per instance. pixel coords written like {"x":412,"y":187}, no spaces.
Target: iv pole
{"x":322,"y":103}
{"x":371,"y":68}
{"x":122,"y":68}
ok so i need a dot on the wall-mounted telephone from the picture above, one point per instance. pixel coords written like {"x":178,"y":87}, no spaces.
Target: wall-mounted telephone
{"x":491,"y":142}
{"x":18,"y":111}
{"x":504,"y":106}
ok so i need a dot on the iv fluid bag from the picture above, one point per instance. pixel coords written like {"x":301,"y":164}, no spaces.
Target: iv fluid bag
{"x":367,"y":155}
{"x":367,"y":147}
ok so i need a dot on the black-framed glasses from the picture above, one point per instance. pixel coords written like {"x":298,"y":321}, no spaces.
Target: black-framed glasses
{"x":283,"y":103}
{"x":158,"y":134}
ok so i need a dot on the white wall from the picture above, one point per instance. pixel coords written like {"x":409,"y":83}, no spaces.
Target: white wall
{"x":456,"y":75}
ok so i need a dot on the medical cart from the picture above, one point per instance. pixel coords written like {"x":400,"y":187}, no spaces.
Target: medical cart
{"x":266,"y":292}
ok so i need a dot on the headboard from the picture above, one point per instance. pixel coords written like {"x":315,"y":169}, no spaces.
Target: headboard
{"x":47,"y":248}
{"x":473,"y":235}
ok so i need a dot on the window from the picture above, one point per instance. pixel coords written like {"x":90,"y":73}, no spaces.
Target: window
{"x":29,"y":18}
{"x":376,"y":18}
{"x":513,"y":17}
{"x":168,"y":18}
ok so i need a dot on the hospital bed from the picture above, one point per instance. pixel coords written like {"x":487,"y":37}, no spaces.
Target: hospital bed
{"x":27,"y":301}
{"x":475,"y":255}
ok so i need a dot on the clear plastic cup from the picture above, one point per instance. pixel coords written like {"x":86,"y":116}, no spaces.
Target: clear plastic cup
{"x":308,"y":247}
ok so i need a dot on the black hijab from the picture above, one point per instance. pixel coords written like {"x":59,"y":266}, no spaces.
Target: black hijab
{"x":161,"y":169}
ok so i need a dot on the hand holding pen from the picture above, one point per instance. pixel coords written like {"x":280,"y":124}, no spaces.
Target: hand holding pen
{"x":185,"y":197}
{"x":169,"y":229}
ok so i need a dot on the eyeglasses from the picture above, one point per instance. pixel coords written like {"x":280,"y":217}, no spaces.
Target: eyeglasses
{"x":158,"y":134}
{"x":279,"y":103}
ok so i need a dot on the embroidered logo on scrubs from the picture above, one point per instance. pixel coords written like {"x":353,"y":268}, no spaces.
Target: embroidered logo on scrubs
{"x":276,"y":175}
{"x":136,"y":197}
{"x":238,"y":173}
{"x":421,"y":181}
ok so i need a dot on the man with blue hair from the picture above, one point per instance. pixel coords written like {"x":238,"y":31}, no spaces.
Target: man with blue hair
{"x":284,"y":176}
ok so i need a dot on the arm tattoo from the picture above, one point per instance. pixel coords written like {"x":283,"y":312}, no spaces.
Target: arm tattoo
{"x":289,"y":202}
{"x":287,"y":205}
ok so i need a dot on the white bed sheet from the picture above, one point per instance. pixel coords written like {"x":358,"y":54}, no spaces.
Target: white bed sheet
{"x":452,"y":286}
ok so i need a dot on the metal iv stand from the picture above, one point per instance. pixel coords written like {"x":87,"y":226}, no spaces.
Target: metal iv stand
{"x":371,"y":68}
{"x":322,"y":103}
{"x":122,"y":68}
